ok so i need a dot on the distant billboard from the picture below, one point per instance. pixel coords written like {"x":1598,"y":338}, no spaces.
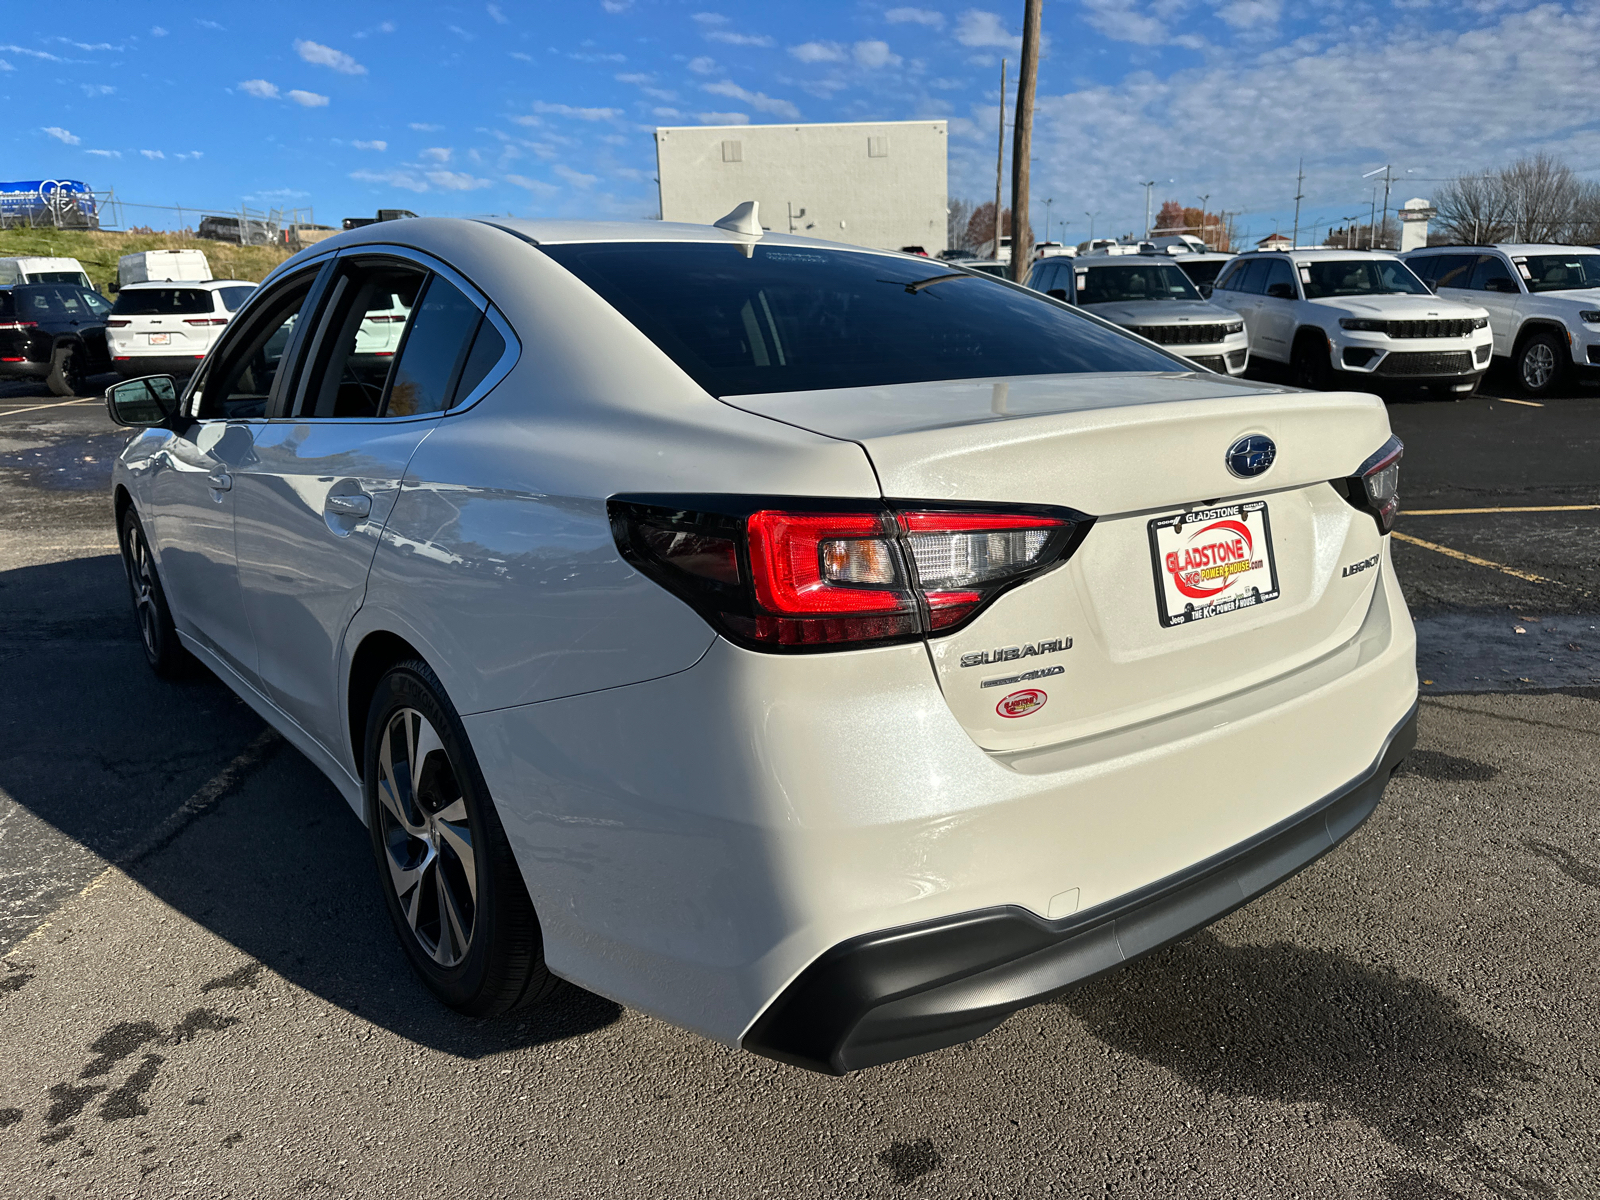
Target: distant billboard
{"x":63,"y":203}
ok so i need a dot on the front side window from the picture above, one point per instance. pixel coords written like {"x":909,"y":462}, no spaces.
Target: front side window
{"x":1563,"y":272}
{"x":240,"y":377}
{"x":1360,"y":277}
{"x":1279,"y":280}
{"x":162,"y":301}
{"x":1492,"y":275}
{"x":1124,"y":282}
{"x":799,"y":318}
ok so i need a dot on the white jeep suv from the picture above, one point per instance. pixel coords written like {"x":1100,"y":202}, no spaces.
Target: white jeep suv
{"x":1543,"y":303}
{"x":1331,"y":315}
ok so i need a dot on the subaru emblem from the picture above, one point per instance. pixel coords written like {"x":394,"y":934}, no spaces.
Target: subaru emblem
{"x":1250,"y":456}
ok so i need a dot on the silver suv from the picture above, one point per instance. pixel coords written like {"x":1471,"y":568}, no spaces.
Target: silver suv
{"x":1331,"y":315}
{"x":1543,"y":303}
{"x":1147,"y":294}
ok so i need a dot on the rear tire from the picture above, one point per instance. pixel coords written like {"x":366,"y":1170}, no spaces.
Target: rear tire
{"x":450,"y":882}
{"x":1309,"y":366}
{"x":157,"y":633}
{"x":66,"y":376}
{"x":1540,"y":364}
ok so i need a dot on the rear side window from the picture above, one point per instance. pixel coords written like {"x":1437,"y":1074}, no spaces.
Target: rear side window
{"x":161,"y":302}
{"x":7,"y":308}
{"x":798,"y":318}
{"x":368,"y":309}
{"x":233,"y":298}
{"x":487,"y":349}
{"x":1453,"y":270}
{"x":434,"y":352}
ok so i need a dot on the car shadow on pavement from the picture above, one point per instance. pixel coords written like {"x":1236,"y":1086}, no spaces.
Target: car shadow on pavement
{"x":280,"y":867}
{"x":1268,"y":1021}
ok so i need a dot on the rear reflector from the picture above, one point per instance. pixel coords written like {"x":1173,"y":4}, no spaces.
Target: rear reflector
{"x":787,"y":574}
{"x":204,"y":321}
{"x":117,"y":323}
{"x":1375,"y":487}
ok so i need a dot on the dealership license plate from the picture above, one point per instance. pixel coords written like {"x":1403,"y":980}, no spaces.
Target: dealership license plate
{"x":1213,"y":561}
{"x":160,"y":339}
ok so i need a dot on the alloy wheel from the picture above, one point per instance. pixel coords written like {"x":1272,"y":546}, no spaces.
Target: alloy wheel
{"x":427,"y":837}
{"x":1538,"y":365}
{"x":141,"y":579}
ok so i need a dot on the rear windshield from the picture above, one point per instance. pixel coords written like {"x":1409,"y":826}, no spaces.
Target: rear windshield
{"x":1359,"y":277}
{"x":798,"y":318}
{"x":233,"y":297}
{"x":156,"y":302}
{"x":1563,"y":272}
{"x":1127,"y":282}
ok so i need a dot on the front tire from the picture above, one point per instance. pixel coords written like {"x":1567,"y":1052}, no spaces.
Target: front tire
{"x":157,"y":633}
{"x":66,"y":376}
{"x":1309,"y":366}
{"x":449,"y":880}
{"x":1540,"y":363}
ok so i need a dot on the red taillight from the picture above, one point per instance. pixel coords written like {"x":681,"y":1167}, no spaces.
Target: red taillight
{"x":792,"y":578}
{"x":19,"y":324}
{"x":13,"y":360}
{"x":117,"y":323}
{"x":204,"y":321}
{"x":1375,"y":487}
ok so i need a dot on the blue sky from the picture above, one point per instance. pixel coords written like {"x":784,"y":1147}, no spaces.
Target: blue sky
{"x":547,"y":109}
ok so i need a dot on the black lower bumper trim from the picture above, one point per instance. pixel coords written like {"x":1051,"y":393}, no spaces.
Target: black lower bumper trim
{"x":890,"y":995}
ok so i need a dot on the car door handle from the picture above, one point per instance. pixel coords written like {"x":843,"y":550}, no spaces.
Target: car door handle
{"x":359,"y":505}
{"x":220,"y":481}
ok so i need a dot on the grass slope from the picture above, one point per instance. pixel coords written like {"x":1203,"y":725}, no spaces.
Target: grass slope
{"x":98,"y":252}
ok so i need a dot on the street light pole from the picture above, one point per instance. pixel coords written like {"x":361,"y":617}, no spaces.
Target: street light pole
{"x":1149,"y":186}
{"x":1091,"y":217}
{"x":1204,"y":200}
{"x":1047,"y":203}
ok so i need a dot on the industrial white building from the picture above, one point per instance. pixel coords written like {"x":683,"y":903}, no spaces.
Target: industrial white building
{"x":880,"y":184}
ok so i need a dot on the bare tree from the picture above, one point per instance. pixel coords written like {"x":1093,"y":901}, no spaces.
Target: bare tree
{"x":1536,"y":199}
{"x":957,"y":219}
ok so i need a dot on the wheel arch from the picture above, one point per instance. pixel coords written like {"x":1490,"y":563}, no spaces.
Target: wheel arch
{"x":378,"y":651}
{"x":121,"y":502}
{"x":1310,"y":333}
{"x":1535,"y":325}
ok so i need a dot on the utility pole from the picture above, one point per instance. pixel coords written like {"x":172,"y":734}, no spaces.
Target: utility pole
{"x":1204,"y":200}
{"x":1149,"y":186}
{"x":1000,"y":160}
{"x":1047,"y":203}
{"x":1372,"y":219}
{"x":1387,"y":180}
{"x":1021,"y":147}
{"x":1091,"y":217}
{"x":1299,"y":195}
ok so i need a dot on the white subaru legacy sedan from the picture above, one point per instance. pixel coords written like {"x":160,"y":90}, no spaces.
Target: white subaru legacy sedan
{"x":823,"y":649}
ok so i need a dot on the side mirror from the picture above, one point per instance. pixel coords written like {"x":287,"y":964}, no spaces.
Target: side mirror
{"x":1281,"y":291}
{"x":1205,"y":290}
{"x":1057,"y":293}
{"x":1501,"y":284}
{"x":152,"y":400}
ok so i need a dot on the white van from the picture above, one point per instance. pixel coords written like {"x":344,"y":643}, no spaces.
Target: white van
{"x":156,"y":266}
{"x":43,"y":270}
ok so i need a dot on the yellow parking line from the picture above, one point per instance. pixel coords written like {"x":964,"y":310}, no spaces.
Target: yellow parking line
{"x":1484,"y":562}
{"x":1473,"y":512}
{"x":1509,"y":400}
{"x":59,"y":404}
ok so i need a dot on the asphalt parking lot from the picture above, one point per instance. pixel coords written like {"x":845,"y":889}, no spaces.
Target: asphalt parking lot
{"x":200,"y":994}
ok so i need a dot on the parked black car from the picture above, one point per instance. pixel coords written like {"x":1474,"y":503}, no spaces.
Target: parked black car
{"x":55,"y":333}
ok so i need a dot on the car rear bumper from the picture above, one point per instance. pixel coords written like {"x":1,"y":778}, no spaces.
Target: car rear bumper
{"x":900,"y":992}
{"x":132,"y":366}
{"x":24,"y":370}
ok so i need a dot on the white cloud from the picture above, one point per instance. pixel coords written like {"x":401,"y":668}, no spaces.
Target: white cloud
{"x":520,"y":56}
{"x":582,"y":114}
{"x":711,"y":26}
{"x":39,"y":54}
{"x":495,"y":15}
{"x":1251,"y":14}
{"x":424,"y":127}
{"x":616,"y":6}
{"x":722,"y":118}
{"x":457,"y":181}
{"x":308,"y":99}
{"x":62,"y":135}
{"x":1120,"y":22}
{"x":811,"y":52}
{"x":105,"y":153}
{"x":157,"y":31}
{"x":326,"y":56}
{"x":576,"y":178}
{"x":97,"y":89}
{"x":666,"y":114}
{"x":635,"y":78}
{"x":438,"y":154}
{"x":191,"y":154}
{"x":5,"y":66}
{"x":375,"y":144}
{"x":915,"y":16}
{"x":874,"y":55}
{"x":757,"y":100}
{"x":703,"y":65}
{"x":978,"y":28}
{"x":260,"y":89}
{"x":399,"y":179}
{"x":152,"y":154}
{"x":537,"y":186}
